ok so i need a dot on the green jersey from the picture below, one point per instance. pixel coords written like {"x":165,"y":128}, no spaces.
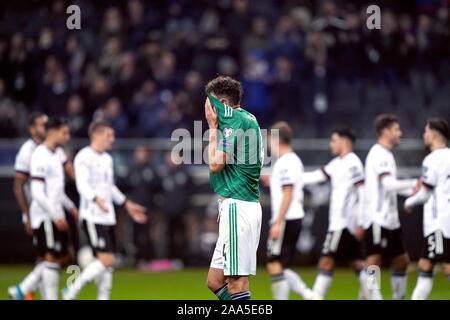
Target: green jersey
{"x":240,"y":136}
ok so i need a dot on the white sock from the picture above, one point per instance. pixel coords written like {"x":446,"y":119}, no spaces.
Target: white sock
{"x":362,"y":294}
{"x":280,"y":287}
{"x":31,"y":281}
{"x":104,"y":284}
{"x":423,"y":286}
{"x":50,"y":280}
{"x":323,"y":282}
{"x":398,"y":285}
{"x":369,"y":283}
{"x":295,"y":282}
{"x":94,"y":269}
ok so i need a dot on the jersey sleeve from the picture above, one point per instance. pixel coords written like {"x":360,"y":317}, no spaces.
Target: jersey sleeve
{"x":22,"y":161}
{"x":382,"y":165}
{"x":286,"y":174}
{"x":229,"y":125}
{"x":38,"y":167}
{"x":81,"y":166}
{"x":429,"y":176}
{"x":356,"y":173}
{"x":327,"y":170}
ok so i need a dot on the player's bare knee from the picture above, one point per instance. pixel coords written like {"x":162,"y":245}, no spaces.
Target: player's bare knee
{"x":401,"y":262}
{"x":425,"y":265}
{"x":107,"y":259}
{"x":274,"y":267}
{"x":51,"y":258}
{"x":326,"y":264}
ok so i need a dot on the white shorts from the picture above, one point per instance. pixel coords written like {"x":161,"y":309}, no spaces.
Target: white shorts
{"x":239,"y":231}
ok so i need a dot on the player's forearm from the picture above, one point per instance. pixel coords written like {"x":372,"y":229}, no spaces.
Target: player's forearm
{"x":314,"y":177}
{"x":82,"y":182}
{"x":67,"y":202}
{"x":68,"y":168}
{"x":38,"y":194}
{"x":212,"y":151}
{"x":118,"y":197}
{"x":392,"y":184}
{"x":360,"y":212}
{"x":19,"y":193}
{"x":420,"y":197}
{"x":285,"y":203}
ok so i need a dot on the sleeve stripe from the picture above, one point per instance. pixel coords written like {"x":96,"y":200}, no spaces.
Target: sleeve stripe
{"x":23,"y":172}
{"x":359,"y":182}
{"x":381,"y":175}
{"x":429,"y":186}
{"x":38,"y":178}
{"x":287,"y":185}
{"x":325,"y":173}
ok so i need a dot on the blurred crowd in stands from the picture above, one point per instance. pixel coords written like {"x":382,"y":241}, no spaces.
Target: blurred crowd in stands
{"x":143,"y":64}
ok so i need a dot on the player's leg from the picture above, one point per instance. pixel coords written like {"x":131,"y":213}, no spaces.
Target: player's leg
{"x":424,"y":282}
{"x":399,"y":264}
{"x":373,"y":253}
{"x":102,"y":244}
{"x":216,"y":280}
{"x":325,"y":276}
{"x":238,"y":288}
{"x":280,"y":285}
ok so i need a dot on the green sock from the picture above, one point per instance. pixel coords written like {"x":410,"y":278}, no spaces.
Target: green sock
{"x":222,"y":293}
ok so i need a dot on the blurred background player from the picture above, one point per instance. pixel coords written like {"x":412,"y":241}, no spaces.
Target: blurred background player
{"x":435,"y":193}
{"x":95,"y":183}
{"x":342,"y":242}
{"x":286,"y":193}
{"x":47,"y":217}
{"x":235,"y":159}
{"x":382,"y":231}
{"x":36,"y":128}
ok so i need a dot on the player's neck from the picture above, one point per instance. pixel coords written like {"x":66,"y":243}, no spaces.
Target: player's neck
{"x":51,"y":145}
{"x":344,"y":153}
{"x":282,"y":150}
{"x":437,"y":145}
{"x":97,"y":148}
{"x":385,"y":143}
{"x":36,"y":140}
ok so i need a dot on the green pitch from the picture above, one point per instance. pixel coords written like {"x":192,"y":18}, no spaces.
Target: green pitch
{"x":190,"y":284}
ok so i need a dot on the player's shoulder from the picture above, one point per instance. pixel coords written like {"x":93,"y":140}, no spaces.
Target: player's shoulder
{"x":290,"y":159}
{"x":27,"y":148}
{"x":353,"y":159}
{"x":378,"y":151}
{"x":437,"y":156}
{"x":83,"y":154}
{"x":40,"y":153}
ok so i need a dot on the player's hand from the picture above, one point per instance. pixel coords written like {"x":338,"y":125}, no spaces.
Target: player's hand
{"x":101,"y":203}
{"x":359,"y":233}
{"x":275,"y":231}
{"x":28,"y":228}
{"x":211,"y":115}
{"x":74,"y":212}
{"x":407,"y":209}
{"x":61,"y":224}
{"x":137,"y":212}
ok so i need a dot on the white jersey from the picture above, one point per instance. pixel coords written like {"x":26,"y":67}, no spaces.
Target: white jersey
{"x":380,"y":205}
{"x":287,"y":170}
{"x":436,"y":176}
{"x":344,"y":173}
{"x":94,"y":177}
{"x":47,"y":166}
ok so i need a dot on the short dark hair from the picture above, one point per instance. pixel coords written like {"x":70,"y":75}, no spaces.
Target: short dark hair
{"x":97,"y":125}
{"x":285,"y":131}
{"x":440,"y":125}
{"x":384,"y":120}
{"x":226,"y":87}
{"x":345,"y":133}
{"x":33,"y":117}
{"x":55,"y":123}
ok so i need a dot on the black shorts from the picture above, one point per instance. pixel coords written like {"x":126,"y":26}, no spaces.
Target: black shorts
{"x":48,"y":239}
{"x":436,"y":248}
{"x":283,"y":248}
{"x":388,"y":243}
{"x":101,"y":237}
{"x":342,"y":246}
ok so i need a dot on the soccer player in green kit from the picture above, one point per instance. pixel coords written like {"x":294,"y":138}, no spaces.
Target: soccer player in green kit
{"x":235,"y":160}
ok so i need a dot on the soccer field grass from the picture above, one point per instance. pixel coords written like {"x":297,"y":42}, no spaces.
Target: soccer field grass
{"x":190,"y":284}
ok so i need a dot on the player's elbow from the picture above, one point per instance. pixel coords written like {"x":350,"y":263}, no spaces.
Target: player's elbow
{"x":215,"y":167}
